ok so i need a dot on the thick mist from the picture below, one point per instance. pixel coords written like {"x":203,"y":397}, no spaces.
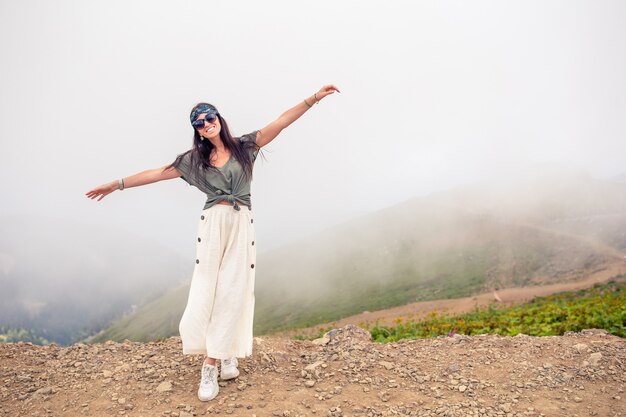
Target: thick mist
{"x":433,"y":95}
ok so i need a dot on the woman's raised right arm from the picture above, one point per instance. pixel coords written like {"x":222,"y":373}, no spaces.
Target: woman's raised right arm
{"x":145,"y":177}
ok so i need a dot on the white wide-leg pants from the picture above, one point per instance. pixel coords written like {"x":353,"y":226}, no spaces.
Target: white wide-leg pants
{"x":219,"y":314}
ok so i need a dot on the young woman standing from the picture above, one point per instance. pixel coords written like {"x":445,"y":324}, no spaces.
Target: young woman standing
{"x":217,"y":321}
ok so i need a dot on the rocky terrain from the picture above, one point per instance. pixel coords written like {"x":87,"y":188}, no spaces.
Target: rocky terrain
{"x":342,"y":374}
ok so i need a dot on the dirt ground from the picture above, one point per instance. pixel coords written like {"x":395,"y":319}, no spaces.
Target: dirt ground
{"x":343,"y":374}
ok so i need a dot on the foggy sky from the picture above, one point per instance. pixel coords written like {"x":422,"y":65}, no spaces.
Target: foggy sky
{"x":433,"y":95}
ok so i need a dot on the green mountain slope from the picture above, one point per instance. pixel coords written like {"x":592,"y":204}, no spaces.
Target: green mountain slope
{"x":155,"y":320}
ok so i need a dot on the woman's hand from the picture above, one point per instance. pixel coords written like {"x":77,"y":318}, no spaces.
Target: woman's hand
{"x":144,"y":177}
{"x":326,"y":90}
{"x":269,"y":132}
{"x":102,"y":190}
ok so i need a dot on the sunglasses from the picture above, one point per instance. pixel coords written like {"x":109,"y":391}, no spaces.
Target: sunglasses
{"x":199,"y":123}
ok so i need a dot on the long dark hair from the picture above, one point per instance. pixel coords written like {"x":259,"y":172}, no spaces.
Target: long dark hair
{"x":201,"y":150}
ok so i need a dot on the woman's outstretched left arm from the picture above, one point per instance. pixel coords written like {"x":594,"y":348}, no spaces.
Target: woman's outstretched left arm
{"x":269,"y":132}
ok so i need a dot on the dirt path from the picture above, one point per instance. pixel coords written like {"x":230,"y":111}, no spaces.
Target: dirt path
{"x":508,"y":296}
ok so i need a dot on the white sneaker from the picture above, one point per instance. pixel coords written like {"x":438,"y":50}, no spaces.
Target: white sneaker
{"x":229,"y":368}
{"x":208,"y":388}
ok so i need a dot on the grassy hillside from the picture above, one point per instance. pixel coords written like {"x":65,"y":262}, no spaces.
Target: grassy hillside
{"x":493,"y":256}
{"x":602,"y":306}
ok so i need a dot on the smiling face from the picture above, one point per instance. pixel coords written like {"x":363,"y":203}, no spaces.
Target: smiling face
{"x":210,"y":129}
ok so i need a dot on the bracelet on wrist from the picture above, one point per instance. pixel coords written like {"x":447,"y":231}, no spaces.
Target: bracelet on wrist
{"x":120,"y":184}
{"x":307,"y":103}
{"x":316,"y":99}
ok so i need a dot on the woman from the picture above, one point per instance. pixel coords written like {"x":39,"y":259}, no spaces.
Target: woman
{"x":217,"y":321}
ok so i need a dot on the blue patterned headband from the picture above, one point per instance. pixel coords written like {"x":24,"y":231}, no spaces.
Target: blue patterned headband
{"x":200,"y":109}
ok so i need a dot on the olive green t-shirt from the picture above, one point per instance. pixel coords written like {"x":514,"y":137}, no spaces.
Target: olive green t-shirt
{"x":228,"y":184}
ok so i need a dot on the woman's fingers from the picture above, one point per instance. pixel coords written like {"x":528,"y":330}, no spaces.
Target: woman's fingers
{"x":93,"y":193}
{"x":101,"y":191}
{"x":328,"y":89}
{"x":102,"y":196}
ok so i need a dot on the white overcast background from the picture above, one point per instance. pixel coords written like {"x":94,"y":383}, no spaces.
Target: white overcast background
{"x":433,"y":95}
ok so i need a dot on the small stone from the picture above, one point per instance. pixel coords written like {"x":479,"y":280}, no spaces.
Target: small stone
{"x":462,"y":388}
{"x":309,"y":383}
{"x":321,"y":341}
{"x":595,"y":357}
{"x":45,"y":391}
{"x":312,"y":366}
{"x":384,"y":396}
{"x":164,"y":386}
{"x":454,"y":368}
